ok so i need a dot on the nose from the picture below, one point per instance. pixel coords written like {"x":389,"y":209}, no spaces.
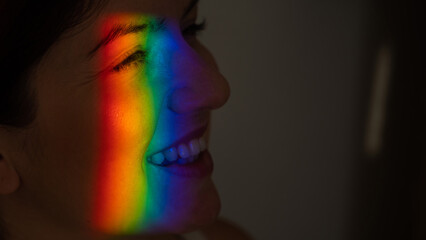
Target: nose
{"x":198,"y":85}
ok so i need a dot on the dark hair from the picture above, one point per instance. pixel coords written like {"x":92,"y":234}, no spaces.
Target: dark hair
{"x":27,"y":30}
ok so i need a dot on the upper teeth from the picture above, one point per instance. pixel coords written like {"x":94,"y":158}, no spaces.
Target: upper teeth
{"x":183,"y":152}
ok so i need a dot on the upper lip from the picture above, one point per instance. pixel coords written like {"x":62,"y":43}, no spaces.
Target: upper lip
{"x":197,"y":133}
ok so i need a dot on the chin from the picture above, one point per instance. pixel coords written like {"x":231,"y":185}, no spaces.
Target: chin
{"x":188,"y":213}
{"x":203,"y":214}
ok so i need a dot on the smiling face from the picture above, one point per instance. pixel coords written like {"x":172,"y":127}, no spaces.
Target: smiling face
{"x":123,"y":106}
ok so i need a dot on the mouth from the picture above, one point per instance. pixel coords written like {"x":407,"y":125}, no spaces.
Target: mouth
{"x":188,"y":157}
{"x":184,"y":151}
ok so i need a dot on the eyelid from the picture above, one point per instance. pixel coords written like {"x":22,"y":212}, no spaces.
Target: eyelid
{"x":122,"y":57}
{"x":125,"y":54}
{"x":138,"y":56}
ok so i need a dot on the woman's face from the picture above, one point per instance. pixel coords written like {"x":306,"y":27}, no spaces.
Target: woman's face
{"x":133,"y":83}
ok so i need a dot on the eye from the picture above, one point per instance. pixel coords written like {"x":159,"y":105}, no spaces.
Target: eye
{"x":135,"y":59}
{"x":194,"y":29}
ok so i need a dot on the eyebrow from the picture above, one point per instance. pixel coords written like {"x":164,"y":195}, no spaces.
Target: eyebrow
{"x":116,"y":32}
{"x":121,"y":30}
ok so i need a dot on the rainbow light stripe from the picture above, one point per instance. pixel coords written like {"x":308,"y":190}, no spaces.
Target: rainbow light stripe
{"x":126,"y":196}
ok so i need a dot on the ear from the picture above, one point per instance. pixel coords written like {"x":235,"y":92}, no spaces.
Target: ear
{"x":9,"y":178}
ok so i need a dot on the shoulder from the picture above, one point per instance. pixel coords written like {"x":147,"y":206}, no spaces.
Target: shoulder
{"x":225,"y":229}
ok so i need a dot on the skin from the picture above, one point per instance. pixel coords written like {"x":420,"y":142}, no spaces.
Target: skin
{"x":47,"y":170}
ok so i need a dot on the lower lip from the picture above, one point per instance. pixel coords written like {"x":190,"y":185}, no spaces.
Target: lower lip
{"x":201,"y":167}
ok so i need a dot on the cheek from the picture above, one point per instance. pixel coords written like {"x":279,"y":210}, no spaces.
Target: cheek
{"x":129,"y":108}
{"x":88,"y":149}
{"x":60,"y":149}
{"x":127,"y":116}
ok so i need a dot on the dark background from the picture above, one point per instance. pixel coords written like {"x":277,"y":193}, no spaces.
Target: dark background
{"x":323,"y":135}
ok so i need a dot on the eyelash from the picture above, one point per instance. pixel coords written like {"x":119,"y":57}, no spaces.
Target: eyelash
{"x":139,"y":57}
{"x":136,"y":58}
{"x":195,"y":29}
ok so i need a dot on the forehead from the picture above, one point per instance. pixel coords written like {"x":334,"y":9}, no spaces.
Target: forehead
{"x":72,"y":51}
{"x":123,"y":11}
{"x":165,"y":8}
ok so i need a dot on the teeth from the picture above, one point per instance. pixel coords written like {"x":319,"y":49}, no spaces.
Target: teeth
{"x":171,"y":154}
{"x":187,"y":160}
{"x":158,"y":158}
{"x":183,"y":151}
{"x":182,"y":161}
{"x":194,"y":147}
{"x":183,"y":154}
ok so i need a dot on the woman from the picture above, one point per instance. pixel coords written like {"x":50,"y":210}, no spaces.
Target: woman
{"x":105,"y":118}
